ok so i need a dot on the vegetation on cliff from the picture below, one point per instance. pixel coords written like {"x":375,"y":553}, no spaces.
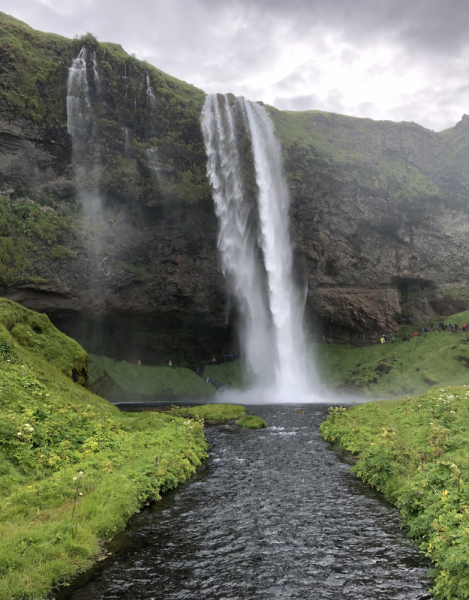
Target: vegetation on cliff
{"x":415,"y":451}
{"x":351,"y":148}
{"x":30,"y":236}
{"x":73,"y":468}
{"x":34,"y":85}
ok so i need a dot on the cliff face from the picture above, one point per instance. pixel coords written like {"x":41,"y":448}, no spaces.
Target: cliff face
{"x":379,"y":209}
{"x":380,"y":215}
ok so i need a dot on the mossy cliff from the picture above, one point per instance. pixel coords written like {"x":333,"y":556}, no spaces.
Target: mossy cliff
{"x":379,"y":209}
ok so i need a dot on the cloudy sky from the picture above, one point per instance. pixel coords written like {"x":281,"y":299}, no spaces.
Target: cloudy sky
{"x":404,"y":60}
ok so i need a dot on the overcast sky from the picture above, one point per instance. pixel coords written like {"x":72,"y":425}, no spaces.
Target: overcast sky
{"x":404,"y":60}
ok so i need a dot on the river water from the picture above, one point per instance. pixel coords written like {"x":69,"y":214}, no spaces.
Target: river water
{"x":271,"y":514}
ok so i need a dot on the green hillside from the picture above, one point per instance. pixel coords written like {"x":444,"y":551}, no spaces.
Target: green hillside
{"x":73,"y":468}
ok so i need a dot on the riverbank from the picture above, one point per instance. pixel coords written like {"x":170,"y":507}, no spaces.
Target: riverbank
{"x":415,"y":451}
{"x":73,"y":469}
{"x":272,"y":513}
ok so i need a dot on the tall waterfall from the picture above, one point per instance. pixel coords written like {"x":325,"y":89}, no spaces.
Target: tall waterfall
{"x":236,"y":239}
{"x":80,"y":126}
{"x":273,"y":329}
{"x":273,"y":202}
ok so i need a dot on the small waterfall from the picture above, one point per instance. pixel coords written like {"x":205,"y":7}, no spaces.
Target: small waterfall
{"x":273,"y":334}
{"x":151,"y":100}
{"x":78,"y":102}
{"x":82,"y":131}
{"x":127,"y":142}
{"x":152,"y":161}
{"x":236,"y":240}
{"x":97,"y":79}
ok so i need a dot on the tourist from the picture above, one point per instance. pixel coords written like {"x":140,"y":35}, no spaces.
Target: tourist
{"x":431,"y":327}
{"x":214,"y":360}
{"x":415,"y":334}
{"x":170,"y":364}
{"x":381,"y":339}
{"x":455,"y":328}
{"x":324,"y":338}
{"x":404,"y":339}
{"x":464,"y":327}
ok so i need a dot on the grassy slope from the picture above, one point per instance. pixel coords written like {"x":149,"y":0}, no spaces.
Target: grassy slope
{"x":402,"y":368}
{"x":50,"y":430}
{"x":34,"y":332}
{"x":150,"y":381}
{"x":230,"y":373}
{"x":415,"y":450}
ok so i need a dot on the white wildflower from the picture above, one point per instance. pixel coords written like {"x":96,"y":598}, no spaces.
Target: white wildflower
{"x":80,"y":493}
{"x":26,"y":425}
{"x":19,"y":433}
{"x":452,"y":412}
{"x":74,"y":479}
{"x":31,"y":429}
{"x":431,"y":423}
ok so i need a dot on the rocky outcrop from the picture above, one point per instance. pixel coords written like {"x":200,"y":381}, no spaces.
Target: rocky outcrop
{"x":379,"y":210}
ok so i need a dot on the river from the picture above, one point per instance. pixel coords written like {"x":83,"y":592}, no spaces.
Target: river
{"x":272,"y":513}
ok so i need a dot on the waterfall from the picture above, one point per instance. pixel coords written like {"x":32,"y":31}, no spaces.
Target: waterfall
{"x":78,"y":102}
{"x":273,"y":201}
{"x":97,"y":79}
{"x":151,"y":100}
{"x":236,"y":239}
{"x":273,"y":322}
{"x":82,"y":131}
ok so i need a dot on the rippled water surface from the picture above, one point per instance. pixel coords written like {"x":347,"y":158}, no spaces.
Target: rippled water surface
{"x":272,"y":514}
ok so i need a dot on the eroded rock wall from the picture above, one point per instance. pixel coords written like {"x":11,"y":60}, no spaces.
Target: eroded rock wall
{"x":379,"y":211}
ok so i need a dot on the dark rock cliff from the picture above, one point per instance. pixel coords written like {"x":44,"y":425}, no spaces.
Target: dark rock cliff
{"x":379,"y":210}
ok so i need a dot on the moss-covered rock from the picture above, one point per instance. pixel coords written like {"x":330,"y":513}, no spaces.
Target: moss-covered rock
{"x":251,"y":422}
{"x":22,"y":327}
